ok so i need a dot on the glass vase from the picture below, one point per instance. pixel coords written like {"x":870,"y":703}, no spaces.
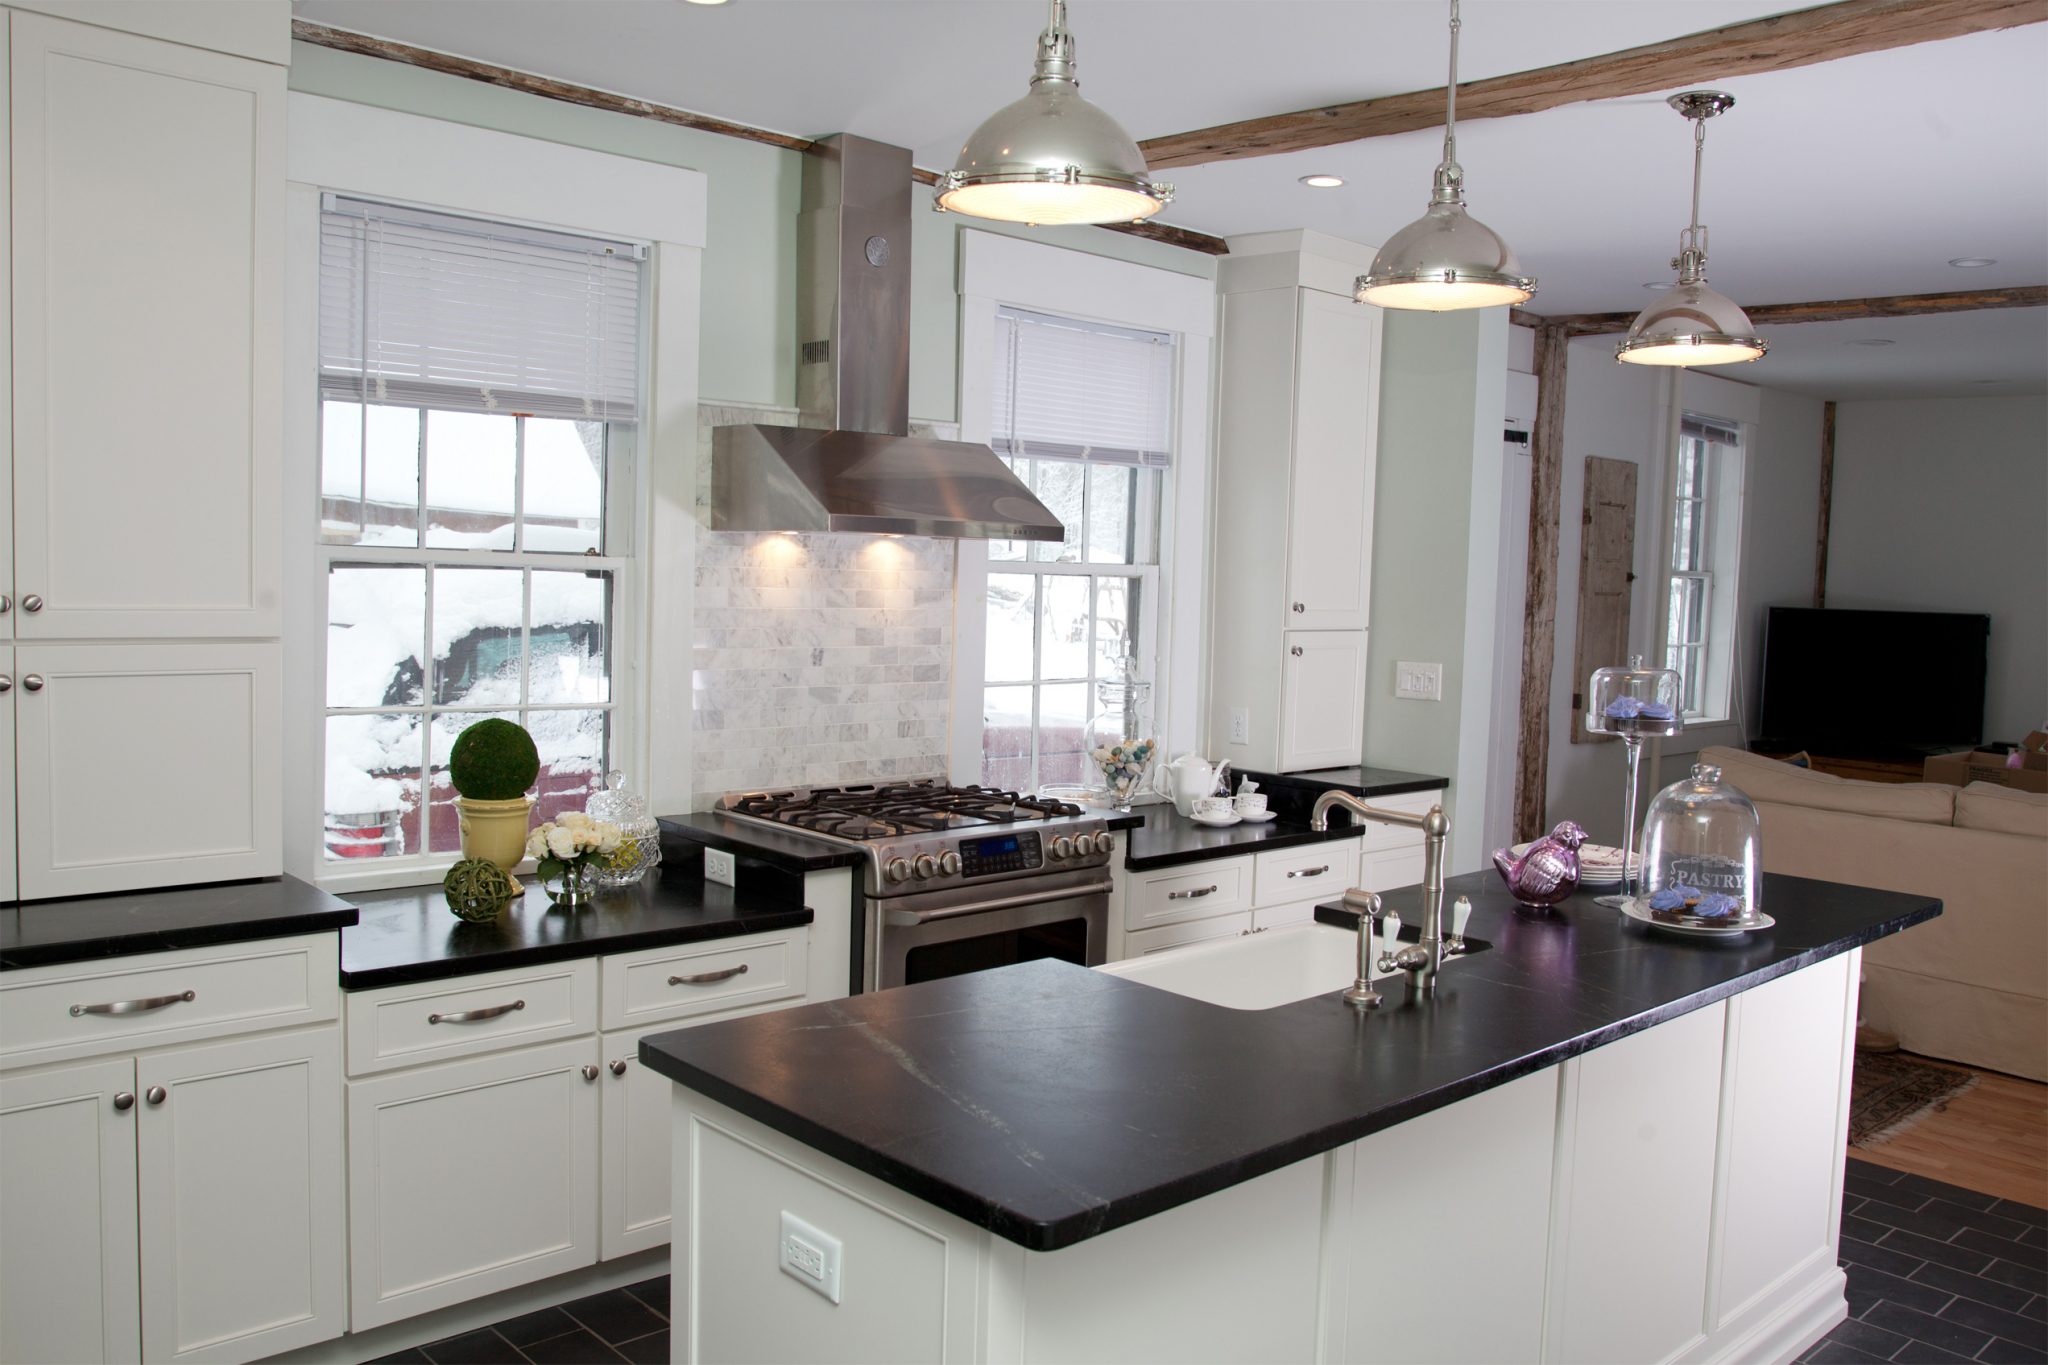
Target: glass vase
{"x":1121,"y":742}
{"x":575,"y":886}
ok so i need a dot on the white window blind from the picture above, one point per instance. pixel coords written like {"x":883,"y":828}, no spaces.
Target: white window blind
{"x":432,"y":310}
{"x":1072,"y":390}
{"x":1709,"y":429}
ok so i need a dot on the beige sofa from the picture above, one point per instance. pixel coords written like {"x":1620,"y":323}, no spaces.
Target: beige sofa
{"x":1970,"y":986}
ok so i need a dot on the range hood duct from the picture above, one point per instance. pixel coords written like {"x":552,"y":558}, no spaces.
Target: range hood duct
{"x":852,"y":465}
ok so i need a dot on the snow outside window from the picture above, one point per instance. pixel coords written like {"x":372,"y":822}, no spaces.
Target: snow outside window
{"x":1705,"y":507}
{"x":1083,"y":414}
{"x":468,"y":563}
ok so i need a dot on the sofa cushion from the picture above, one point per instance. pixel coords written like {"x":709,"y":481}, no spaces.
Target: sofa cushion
{"x":1766,"y":779}
{"x":1986,"y":805}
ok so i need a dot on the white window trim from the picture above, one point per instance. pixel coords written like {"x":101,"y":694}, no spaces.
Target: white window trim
{"x":997,"y":270}
{"x":404,"y":158}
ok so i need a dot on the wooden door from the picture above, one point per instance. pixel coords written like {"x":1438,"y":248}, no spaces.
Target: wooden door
{"x":1322,"y":699}
{"x":68,"y":1260}
{"x":1607,"y":551}
{"x":148,"y":208}
{"x":241,"y":1196}
{"x":1330,"y":495}
{"x":146,"y":765}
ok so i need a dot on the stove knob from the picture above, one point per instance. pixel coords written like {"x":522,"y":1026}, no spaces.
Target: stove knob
{"x":1062,"y":847}
{"x":898,"y":870}
{"x":949,"y":863}
{"x":925,"y":866}
{"x":1104,"y":843}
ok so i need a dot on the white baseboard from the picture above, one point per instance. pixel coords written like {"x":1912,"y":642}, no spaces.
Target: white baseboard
{"x":1779,"y":1336}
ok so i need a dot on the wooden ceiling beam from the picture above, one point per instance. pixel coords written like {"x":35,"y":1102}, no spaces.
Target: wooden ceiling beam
{"x":1826,"y":310}
{"x":1821,"y":34}
{"x":526,"y":83}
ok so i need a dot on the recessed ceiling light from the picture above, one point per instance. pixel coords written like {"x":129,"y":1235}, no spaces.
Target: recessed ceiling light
{"x":1322,"y":182}
{"x":1971,"y":262}
{"x":1874,"y":341}
{"x":704,"y":2}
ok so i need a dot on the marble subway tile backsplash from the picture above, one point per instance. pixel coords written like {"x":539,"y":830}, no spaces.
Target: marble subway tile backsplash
{"x":817,"y":659}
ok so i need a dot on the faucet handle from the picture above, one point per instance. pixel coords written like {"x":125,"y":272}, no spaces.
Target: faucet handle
{"x":1390,"y":933}
{"x":1461,"y":911}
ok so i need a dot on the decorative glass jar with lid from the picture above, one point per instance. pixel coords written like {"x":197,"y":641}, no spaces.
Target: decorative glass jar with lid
{"x":1702,"y":853}
{"x":1121,"y":742}
{"x":640,"y":848}
{"x":1631,"y":703}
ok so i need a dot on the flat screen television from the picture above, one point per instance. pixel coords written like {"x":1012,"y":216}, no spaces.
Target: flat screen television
{"x":1873,"y":684}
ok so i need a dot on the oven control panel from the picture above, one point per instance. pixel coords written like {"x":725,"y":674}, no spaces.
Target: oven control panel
{"x":1018,"y":852}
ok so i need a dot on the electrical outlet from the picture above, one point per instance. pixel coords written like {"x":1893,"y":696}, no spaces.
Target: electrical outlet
{"x":718,"y":867}
{"x":1419,"y":682}
{"x":809,"y":1257}
{"x":1240,"y":725}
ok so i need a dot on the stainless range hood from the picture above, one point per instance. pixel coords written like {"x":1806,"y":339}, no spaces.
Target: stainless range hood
{"x":852,"y":465}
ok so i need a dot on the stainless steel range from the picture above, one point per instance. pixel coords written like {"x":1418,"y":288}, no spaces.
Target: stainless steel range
{"x":958,"y":879}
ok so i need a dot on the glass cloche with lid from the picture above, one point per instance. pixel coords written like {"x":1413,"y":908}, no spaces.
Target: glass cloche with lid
{"x":1634,"y":701}
{"x":639,"y":848}
{"x":1702,"y":854}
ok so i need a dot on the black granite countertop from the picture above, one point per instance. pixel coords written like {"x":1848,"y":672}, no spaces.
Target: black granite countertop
{"x":87,"y":927}
{"x":1049,"y":1103}
{"x":1364,"y":783}
{"x":1167,"y":838}
{"x":410,"y":935}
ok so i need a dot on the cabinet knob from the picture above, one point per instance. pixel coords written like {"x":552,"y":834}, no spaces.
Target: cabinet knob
{"x":6,"y":684}
{"x":156,"y":1094}
{"x":31,"y":603}
{"x":589,"y":1071}
{"x":1296,"y":651}
{"x":6,"y":604}
{"x":124,"y":1101}
{"x":618,"y":1066}
{"x":32,"y":681}
{"x":1300,"y":607}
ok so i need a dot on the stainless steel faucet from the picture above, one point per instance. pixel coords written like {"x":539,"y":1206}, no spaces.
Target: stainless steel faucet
{"x":1421,"y":961}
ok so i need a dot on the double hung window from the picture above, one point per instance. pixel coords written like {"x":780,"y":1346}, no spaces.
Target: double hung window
{"x":479,"y":391}
{"x":1083,"y":413}
{"x":1698,"y":636}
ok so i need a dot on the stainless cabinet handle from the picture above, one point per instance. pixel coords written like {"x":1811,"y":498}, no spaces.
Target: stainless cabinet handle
{"x":156,"y":1094}
{"x":6,"y":683}
{"x":142,"y":1006}
{"x":124,"y":1101}
{"x":1310,"y":871}
{"x":707,"y":978}
{"x":1296,"y":651}
{"x":31,"y":603}
{"x":1193,"y":895}
{"x":589,"y":1071}
{"x":1300,"y":607}
{"x":618,"y":1066}
{"x":475,"y":1016}
{"x":32,"y":681}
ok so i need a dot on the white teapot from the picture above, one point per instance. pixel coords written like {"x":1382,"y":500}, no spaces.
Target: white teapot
{"x":1188,"y":777}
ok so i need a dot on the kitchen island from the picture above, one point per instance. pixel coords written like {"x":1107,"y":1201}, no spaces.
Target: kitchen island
{"x":1593,"y":1143}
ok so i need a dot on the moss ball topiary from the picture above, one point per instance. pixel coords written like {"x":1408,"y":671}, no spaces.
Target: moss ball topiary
{"x":493,"y":760}
{"x":477,"y":890}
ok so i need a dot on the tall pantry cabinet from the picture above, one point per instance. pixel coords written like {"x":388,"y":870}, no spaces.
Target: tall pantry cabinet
{"x":139,"y":541}
{"x":1297,"y":439}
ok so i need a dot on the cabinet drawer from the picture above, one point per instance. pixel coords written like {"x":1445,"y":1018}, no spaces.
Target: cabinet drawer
{"x":434,"y":1020}
{"x":1318,"y":872}
{"x":701,"y":978}
{"x":1378,"y":836}
{"x":1273,"y":916}
{"x":240,"y":989}
{"x":1197,"y":891}
{"x":1148,"y":941}
{"x":1391,"y":868}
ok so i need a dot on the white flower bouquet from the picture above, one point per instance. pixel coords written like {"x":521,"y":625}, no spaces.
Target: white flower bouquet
{"x":570,"y":849}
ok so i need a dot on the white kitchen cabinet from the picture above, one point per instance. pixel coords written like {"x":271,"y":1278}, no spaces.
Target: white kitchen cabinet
{"x":633,"y":1199}
{"x":1297,"y":440}
{"x":1189,"y":891}
{"x":145,"y":765}
{"x":69,"y":1261}
{"x":9,"y":878}
{"x":1145,"y":942}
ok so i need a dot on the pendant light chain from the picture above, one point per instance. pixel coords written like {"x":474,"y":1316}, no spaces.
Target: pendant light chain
{"x":1692,"y":255}
{"x":1450,"y":172}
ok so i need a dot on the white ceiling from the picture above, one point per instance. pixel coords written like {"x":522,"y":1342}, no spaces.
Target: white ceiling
{"x":1851,"y":178}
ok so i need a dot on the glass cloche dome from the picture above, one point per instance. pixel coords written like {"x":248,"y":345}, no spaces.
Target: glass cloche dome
{"x":1634,"y":701}
{"x":1702,"y":854}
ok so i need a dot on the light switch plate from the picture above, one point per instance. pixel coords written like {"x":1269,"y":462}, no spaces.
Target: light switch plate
{"x":718,"y":867}
{"x":809,"y":1257}
{"x":1419,"y":682}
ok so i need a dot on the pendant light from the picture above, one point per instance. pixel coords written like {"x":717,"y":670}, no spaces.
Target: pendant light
{"x":1693,"y":324}
{"x":1052,"y":157}
{"x":1446,"y":259}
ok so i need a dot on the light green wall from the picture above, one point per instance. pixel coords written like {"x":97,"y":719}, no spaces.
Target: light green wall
{"x":749,"y":342}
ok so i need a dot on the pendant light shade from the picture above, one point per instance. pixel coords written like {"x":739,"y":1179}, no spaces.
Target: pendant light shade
{"x":1692,"y":324}
{"x":1446,"y":259}
{"x":1052,"y":157}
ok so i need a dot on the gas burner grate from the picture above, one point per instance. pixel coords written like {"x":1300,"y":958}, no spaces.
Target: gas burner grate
{"x":889,"y":809}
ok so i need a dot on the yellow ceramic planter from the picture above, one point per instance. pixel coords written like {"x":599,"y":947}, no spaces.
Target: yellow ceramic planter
{"x":495,"y":830}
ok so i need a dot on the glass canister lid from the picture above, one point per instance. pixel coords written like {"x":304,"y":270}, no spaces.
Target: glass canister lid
{"x":1633,"y":701}
{"x":1702,"y":853}
{"x":617,"y":804}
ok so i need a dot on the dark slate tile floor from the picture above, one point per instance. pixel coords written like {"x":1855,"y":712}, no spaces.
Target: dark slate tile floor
{"x":1938,"y":1273}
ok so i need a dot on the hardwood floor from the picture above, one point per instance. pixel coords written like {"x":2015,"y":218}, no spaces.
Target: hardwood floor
{"x":1993,"y":1138}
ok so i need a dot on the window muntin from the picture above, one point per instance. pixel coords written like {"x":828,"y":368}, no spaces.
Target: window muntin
{"x":1697,"y":634}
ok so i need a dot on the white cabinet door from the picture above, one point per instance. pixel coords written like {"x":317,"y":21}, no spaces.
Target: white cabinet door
{"x":148,"y":206}
{"x":241,"y":1196}
{"x":68,"y":1262}
{"x":1329,"y":523}
{"x":1322,"y":699}
{"x":470,"y":1177}
{"x":9,"y":686}
{"x":146,"y":765}
{"x":1389,"y":868}
{"x":633,"y":1210}
{"x":7,"y":594}
{"x":1145,"y":942}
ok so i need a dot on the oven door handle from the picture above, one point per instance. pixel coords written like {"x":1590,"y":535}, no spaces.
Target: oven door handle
{"x":899,"y":919}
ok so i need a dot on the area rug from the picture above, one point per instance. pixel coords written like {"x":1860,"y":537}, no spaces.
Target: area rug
{"x":1890,"y":1092}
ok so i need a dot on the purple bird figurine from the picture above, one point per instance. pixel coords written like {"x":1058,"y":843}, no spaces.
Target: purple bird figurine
{"x":1548,"y":869}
